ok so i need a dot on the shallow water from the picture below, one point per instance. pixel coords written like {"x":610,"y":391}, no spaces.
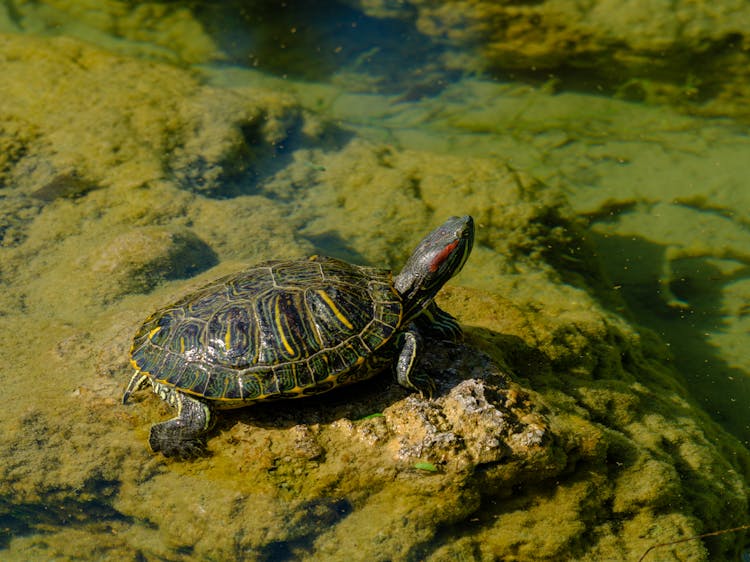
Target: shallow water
{"x":148,"y":150}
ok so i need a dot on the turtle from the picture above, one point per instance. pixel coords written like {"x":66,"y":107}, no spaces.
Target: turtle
{"x":292,"y":328}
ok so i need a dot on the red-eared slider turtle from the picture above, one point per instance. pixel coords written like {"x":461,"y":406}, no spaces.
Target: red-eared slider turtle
{"x":286,"y":329}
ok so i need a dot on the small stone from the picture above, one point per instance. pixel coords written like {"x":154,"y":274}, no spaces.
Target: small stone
{"x":142,"y":258}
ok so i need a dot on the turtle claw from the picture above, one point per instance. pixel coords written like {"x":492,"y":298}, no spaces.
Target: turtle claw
{"x":171,"y":444}
{"x":424,"y":384}
{"x":184,"y":435}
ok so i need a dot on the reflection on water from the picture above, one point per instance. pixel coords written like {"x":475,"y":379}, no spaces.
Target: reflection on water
{"x":149,"y":149}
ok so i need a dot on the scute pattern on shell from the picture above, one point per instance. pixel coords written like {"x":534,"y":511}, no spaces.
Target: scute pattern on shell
{"x":277,"y":330}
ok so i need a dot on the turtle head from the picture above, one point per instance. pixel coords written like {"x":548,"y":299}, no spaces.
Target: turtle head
{"x":438,"y":257}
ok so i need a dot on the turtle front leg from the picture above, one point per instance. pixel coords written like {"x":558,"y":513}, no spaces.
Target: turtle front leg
{"x":183,"y":435}
{"x":406,"y":374}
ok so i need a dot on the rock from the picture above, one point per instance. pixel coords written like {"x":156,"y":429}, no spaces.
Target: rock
{"x":69,"y":184}
{"x":232,"y":136}
{"x":138,"y":260}
{"x":554,"y":32}
{"x":643,"y":52}
{"x":125,"y":137}
{"x":151,"y":30}
{"x":475,"y":422}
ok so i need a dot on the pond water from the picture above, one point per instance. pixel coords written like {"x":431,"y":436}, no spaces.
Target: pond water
{"x":597,"y":405}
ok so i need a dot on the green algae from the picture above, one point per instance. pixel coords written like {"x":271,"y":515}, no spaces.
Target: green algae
{"x":148,"y":30}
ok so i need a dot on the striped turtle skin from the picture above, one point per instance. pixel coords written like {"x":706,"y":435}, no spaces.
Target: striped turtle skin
{"x":288,"y":329}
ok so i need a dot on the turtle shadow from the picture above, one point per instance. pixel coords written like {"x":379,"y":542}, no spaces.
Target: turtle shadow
{"x":352,"y":402}
{"x":447,"y":363}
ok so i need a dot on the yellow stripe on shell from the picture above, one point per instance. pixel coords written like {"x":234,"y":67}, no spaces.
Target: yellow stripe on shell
{"x":343,"y":319}
{"x":153,"y":332}
{"x":280,"y":330}
{"x":228,"y":337}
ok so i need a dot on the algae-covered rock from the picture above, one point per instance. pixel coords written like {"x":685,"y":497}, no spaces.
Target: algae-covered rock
{"x":126,"y":134}
{"x":547,"y":34}
{"x":673,"y":52}
{"x":559,"y":430}
{"x":137,"y":261}
{"x":160,"y":30}
{"x":91,"y":135}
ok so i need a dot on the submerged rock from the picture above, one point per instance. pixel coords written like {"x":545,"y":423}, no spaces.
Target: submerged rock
{"x":69,"y":185}
{"x":156,"y":30}
{"x":139,"y":260}
{"x":676,"y":52}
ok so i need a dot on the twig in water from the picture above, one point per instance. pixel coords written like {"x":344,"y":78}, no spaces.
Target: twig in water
{"x":703,"y":536}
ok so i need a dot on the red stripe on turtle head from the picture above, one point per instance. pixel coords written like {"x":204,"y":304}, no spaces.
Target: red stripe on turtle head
{"x":442,"y":255}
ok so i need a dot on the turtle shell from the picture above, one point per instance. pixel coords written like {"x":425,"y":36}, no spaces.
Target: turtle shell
{"x":281,"y":329}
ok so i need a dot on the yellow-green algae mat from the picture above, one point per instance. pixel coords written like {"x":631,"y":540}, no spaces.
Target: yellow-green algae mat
{"x":560,"y":431}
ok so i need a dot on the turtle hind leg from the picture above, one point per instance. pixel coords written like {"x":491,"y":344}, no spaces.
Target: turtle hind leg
{"x":184,"y":435}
